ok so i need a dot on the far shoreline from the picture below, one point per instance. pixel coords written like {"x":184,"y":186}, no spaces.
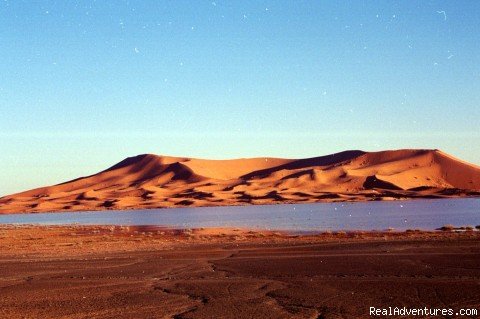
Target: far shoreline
{"x":379,"y":199}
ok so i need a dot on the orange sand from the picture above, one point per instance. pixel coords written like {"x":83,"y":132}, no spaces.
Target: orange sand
{"x":151,"y":181}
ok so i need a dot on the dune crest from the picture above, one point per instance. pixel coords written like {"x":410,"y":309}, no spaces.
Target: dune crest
{"x":152,"y":181}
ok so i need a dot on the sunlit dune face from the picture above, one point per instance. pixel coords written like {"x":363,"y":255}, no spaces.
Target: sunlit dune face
{"x":150,"y":181}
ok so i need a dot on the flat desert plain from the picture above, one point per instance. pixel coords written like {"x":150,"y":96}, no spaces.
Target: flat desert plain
{"x":128,"y":272}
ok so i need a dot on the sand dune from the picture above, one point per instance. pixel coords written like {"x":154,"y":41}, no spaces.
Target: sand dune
{"x":149,"y":181}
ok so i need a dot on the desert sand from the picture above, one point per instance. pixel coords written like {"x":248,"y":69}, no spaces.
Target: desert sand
{"x":127,"y":272}
{"x":151,"y":181}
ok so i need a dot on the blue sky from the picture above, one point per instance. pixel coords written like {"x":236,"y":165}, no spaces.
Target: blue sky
{"x":84,"y":84}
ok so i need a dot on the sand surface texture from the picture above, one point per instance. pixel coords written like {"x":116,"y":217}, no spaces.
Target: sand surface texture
{"x":118,"y":272}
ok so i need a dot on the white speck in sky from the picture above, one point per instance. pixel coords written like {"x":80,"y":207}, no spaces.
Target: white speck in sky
{"x":46,"y":12}
{"x":266,"y":9}
{"x":193,"y":28}
{"x":450,"y":56}
{"x":244,"y":16}
{"x":181,"y":63}
{"x":214,"y":4}
{"x":136,"y":50}
{"x":394,"y":16}
{"x":165,"y":80}
{"x":377,"y":16}
{"x":444,"y":15}
{"x":324,"y":93}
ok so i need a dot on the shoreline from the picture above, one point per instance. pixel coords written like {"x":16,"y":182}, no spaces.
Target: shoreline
{"x":38,"y":239}
{"x":241,"y":204}
{"x":231,"y":230}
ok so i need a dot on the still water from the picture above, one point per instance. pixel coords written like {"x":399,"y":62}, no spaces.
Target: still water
{"x":400,"y":215}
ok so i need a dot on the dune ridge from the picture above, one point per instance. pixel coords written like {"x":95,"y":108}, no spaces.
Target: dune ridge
{"x":152,"y":181}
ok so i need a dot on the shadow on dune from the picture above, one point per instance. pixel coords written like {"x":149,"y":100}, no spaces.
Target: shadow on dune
{"x":144,"y":167}
{"x":373,"y":182}
{"x":273,"y":195}
{"x":307,"y":162}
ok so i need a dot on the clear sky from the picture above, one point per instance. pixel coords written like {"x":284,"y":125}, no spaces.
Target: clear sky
{"x":84,"y":84}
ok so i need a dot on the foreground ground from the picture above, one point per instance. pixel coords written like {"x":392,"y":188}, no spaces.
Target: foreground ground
{"x":121,"y":272}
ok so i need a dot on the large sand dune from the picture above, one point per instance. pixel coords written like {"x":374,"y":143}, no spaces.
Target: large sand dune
{"x":149,"y":181}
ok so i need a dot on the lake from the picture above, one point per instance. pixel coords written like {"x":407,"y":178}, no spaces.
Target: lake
{"x":399,"y":215}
